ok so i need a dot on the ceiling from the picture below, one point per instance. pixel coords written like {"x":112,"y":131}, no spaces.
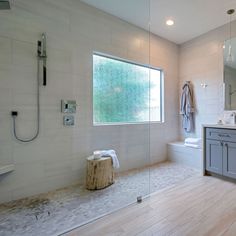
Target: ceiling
{"x":192,"y":17}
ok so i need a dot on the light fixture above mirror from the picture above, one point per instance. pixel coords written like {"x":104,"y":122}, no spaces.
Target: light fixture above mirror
{"x":230,"y":56}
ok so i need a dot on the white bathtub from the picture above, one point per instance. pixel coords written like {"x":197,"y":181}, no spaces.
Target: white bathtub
{"x":177,"y":152}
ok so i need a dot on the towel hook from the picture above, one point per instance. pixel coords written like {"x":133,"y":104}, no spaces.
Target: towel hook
{"x":204,"y":85}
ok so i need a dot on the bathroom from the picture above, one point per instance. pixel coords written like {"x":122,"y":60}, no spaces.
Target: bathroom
{"x":46,"y":176}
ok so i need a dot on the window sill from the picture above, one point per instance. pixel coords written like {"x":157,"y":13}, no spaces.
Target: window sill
{"x":122,"y":124}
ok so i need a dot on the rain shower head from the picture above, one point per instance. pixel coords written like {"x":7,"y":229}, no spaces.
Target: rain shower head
{"x":5,"y":5}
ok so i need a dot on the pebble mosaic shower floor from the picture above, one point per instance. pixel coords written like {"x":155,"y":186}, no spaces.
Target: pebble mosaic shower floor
{"x":58,"y":211}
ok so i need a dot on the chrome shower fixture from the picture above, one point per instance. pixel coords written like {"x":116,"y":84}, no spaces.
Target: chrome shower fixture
{"x":41,"y":58}
{"x":42,"y":55}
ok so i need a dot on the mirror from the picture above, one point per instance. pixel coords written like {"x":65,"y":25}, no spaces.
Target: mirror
{"x":230,"y":74}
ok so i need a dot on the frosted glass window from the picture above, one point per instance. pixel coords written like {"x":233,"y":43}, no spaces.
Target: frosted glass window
{"x":124,"y":92}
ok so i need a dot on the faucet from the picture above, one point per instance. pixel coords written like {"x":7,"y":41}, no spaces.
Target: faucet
{"x":233,"y":114}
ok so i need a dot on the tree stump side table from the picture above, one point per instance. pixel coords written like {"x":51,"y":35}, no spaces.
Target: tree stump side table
{"x":100,"y":173}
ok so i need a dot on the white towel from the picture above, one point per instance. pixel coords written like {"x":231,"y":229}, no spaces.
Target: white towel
{"x":112,"y":154}
{"x":193,"y":140}
{"x":192,"y":145}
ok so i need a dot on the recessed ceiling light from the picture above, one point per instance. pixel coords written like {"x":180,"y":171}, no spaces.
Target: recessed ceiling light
{"x":169,"y":22}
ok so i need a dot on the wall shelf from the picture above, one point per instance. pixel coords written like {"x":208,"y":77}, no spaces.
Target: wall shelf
{"x":4,"y":169}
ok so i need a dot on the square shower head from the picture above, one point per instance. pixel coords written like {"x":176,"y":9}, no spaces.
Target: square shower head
{"x":5,"y":5}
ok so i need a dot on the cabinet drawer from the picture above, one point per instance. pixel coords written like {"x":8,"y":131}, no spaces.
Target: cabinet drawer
{"x":221,"y":134}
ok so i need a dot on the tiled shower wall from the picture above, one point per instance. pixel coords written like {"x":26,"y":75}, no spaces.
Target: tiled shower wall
{"x":74,"y":30}
{"x":201,"y":62}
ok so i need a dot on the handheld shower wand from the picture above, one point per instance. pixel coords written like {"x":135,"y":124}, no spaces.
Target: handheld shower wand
{"x":41,"y":56}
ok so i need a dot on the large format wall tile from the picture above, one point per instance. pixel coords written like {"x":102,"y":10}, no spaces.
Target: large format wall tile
{"x":74,"y":31}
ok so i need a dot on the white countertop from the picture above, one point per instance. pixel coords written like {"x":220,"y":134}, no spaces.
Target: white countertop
{"x":219,"y":126}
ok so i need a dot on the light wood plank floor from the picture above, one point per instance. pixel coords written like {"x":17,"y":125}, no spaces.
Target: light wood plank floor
{"x":199,"y":206}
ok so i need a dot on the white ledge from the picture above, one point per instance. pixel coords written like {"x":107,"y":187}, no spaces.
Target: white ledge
{"x":177,"y":143}
{"x":4,"y":169}
{"x":181,"y":144}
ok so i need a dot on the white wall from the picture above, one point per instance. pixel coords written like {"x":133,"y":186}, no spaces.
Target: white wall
{"x":74,"y":30}
{"x":201,"y":61}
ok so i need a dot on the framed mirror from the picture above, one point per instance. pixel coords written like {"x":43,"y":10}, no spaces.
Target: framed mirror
{"x":230,"y":74}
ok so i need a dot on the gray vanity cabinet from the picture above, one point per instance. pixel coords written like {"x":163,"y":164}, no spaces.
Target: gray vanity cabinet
{"x":220,"y":151}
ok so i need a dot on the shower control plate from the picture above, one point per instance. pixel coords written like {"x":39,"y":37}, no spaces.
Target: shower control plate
{"x":69,"y":120}
{"x":68,"y":106}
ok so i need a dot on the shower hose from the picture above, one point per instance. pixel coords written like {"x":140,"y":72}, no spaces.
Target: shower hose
{"x":38,"y":113}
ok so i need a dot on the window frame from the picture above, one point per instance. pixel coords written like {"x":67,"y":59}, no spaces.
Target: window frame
{"x":95,"y":53}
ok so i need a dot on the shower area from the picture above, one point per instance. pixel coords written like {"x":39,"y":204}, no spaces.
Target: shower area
{"x":78,"y":77}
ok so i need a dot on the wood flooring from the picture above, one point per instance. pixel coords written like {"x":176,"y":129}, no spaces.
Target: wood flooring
{"x":202,"y":205}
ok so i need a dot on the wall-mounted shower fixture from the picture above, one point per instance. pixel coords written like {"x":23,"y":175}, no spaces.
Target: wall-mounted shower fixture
{"x":68,"y":106}
{"x":68,"y":120}
{"x":41,"y":57}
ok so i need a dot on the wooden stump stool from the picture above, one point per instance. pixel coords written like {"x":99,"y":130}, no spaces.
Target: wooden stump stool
{"x":100,"y":173}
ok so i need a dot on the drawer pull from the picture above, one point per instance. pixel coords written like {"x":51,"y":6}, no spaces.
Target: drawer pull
{"x":226,"y":145}
{"x":224,"y":135}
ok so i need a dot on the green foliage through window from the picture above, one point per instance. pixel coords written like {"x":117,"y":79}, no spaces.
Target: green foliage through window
{"x":124,"y":92}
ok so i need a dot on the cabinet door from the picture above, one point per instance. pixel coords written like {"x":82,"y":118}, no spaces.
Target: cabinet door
{"x":229,"y":160}
{"x":214,"y":156}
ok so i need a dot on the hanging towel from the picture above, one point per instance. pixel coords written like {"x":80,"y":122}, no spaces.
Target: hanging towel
{"x":109,"y":153}
{"x":187,"y":108}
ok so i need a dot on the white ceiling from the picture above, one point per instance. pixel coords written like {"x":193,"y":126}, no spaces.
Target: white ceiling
{"x":192,"y":17}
